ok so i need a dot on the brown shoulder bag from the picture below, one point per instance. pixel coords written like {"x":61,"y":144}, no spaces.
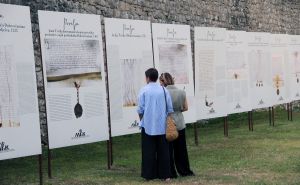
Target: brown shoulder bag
{"x":171,"y":130}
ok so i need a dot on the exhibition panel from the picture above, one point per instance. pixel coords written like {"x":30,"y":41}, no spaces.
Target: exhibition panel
{"x":259,"y":58}
{"x":74,"y":78}
{"x":294,"y":66}
{"x":280,"y":68}
{"x":129,"y":55}
{"x":19,"y":114}
{"x":210,"y":72}
{"x":237,"y":72}
{"x":172,"y":54}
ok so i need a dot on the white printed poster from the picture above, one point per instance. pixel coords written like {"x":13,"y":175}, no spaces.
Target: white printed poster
{"x":279,"y":68}
{"x":190,"y":115}
{"x":259,"y":58}
{"x":237,"y":72}
{"x":172,"y":54}
{"x":294,"y":66}
{"x":19,"y":114}
{"x":74,"y":78}
{"x":210,"y":72}
{"x":129,"y":55}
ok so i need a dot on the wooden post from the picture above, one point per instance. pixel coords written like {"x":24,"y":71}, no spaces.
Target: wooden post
{"x":291,"y":110}
{"x":288,"y":110}
{"x":249,"y":120}
{"x":270,"y":116}
{"x":225,"y":126}
{"x":196,"y":134}
{"x":108,"y":154}
{"x":111,"y":151}
{"x":252,"y":122}
{"x":273,"y":119}
{"x":44,"y":93}
{"x":109,"y":142}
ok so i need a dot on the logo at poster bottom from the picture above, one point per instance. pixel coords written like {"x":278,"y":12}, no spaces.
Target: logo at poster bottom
{"x":261,"y":102}
{"x":238,"y":106}
{"x":212,"y":111}
{"x":80,"y":134}
{"x":134,"y":124}
{"x":5,"y":147}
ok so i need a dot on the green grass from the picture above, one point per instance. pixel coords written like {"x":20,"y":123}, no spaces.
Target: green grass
{"x":269,"y":155}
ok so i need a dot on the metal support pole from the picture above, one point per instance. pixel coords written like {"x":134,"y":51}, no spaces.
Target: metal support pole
{"x":49,"y":163}
{"x":270,"y":116}
{"x":196,"y":134}
{"x":288,"y":110}
{"x":249,"y":120}
{"x":108,"y":154}
{"x":273,"y":119}
{"x":226,"y":126}
{"x":291,"y":110}
{"x":40,"y":168}
{"x":111,"y":151}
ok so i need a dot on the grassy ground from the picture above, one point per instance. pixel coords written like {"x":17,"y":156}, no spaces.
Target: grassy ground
{"x":269,"y":155}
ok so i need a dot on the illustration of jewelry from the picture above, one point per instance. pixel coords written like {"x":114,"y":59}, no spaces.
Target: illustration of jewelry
{"x":278,"y":82}
{"x":78,"y":108}
{"x":297,"y":77}
{"x":207,"y":103}
{"x":297,"y":67}
{"x":235,"y":75}
{"x":1,"y":119}
{"x":259,"y":71}
{"x":129,"y":87}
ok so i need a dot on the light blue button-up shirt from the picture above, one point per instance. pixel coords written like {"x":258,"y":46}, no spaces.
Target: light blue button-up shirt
{"x":152,"y":105}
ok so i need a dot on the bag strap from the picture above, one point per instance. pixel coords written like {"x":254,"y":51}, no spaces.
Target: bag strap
{"x":165,"y":100}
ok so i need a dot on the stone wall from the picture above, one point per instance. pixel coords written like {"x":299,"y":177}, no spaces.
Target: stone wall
{"x":275,"y":16}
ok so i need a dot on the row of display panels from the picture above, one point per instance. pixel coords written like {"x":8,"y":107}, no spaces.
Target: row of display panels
{"x":235,"y":71}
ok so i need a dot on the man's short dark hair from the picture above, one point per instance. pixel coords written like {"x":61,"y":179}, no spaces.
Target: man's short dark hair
{"x":152,"y":74}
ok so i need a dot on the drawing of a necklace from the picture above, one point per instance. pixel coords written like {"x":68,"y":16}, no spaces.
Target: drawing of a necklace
{"x":78,"y":108}
{"x":259,"y":73}
{"x":297,"y":72}
{"x":207,"y":103}
{"x":278,"y":83}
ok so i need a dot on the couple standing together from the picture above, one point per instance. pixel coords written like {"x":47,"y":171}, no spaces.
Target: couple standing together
{"x":160,"y":158}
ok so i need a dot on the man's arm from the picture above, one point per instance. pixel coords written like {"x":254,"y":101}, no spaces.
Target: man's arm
{"x":141,"y":105}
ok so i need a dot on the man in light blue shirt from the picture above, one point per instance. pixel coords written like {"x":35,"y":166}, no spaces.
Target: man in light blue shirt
{"x":154,"y":104}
